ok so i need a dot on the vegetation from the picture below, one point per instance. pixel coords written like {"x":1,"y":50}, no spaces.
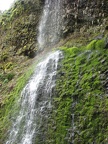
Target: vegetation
{"x":18,"y":28}
{"x":9,"y":106}
{"x":17,"y":43}
{"x":81,"y":105}
{"x":17,"y":50}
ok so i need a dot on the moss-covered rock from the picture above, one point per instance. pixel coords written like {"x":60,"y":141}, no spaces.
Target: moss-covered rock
{"x":80,"y":104}
{"x":9,"y":106}
{"x":18,"y":32}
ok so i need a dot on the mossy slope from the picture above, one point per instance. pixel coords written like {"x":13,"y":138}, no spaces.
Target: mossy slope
{"x":10,"y":105}
{"x":18,"y":32}
{"x":81,"y":103}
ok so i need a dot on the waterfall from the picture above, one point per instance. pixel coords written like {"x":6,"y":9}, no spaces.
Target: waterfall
{"x":36,"y":98}
{"x":51,"y":23}
{"x":35,"y":102}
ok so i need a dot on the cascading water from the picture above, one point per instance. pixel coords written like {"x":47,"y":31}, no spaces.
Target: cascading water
{"x":36,"y":97}
{"x":35,"y":103}
{"x":51,"y":23}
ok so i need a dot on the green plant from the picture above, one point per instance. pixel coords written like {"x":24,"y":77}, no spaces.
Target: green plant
{"x":100,"y":44}
{"x":9,"y":106}
{"x":91,"y":45}
{"x":80,"y":103}
{"x":4,"y":56}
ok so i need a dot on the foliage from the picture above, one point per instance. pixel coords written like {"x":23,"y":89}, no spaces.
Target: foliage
{"x":8,"y":76}
{"x":91,"y":45}
{"x":9,"y":107}
{"x":4,"y":56}
{"x":80,"y":103}
{"x":100,"y":44}
{"x":96,"y":44}
{"x":18,"y":28}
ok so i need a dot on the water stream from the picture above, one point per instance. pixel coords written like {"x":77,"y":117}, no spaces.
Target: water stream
{"x":36,"y":97}
{"x":35,"y":102}
{"x":51,"y":23}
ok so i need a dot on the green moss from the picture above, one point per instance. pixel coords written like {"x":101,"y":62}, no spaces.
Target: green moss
{"x":8,"y":77}
{"x":9,"y":106}
{"x":80,"y":104}
{"x":96,"y":44}
{"x":4,"y":56}
{"x":91,"y":45}
{"x":100,"y":44}
{"x":9,"y":65}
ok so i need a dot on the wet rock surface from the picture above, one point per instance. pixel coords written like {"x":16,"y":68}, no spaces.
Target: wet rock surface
{"x":78,"y":13}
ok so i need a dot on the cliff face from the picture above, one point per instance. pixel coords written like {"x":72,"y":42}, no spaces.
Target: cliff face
{"x":19,"y":25}
{"x":19,"y":28}
{"x":84,"y":14}
{"x":18,"y":41}
{"x":81,"y":100}
{"x":83,"y":21}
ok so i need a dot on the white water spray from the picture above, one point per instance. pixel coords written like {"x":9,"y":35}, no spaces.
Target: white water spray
{"x":36,"y":97}
{"x":51,"y":23}
{"x":35,"y":102}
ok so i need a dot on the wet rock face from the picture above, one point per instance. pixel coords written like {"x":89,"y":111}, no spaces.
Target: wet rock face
{"x":19,"y":26}
{"x":84,"y":12}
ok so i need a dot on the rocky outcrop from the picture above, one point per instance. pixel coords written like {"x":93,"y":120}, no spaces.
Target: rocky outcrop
{"x":19,"y":25}
{"x":18,"y":28}
{"x":80,"y":73}
{"x":18,"y":32}
{"x":80,"y":108}
{"x":84,"y":13}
